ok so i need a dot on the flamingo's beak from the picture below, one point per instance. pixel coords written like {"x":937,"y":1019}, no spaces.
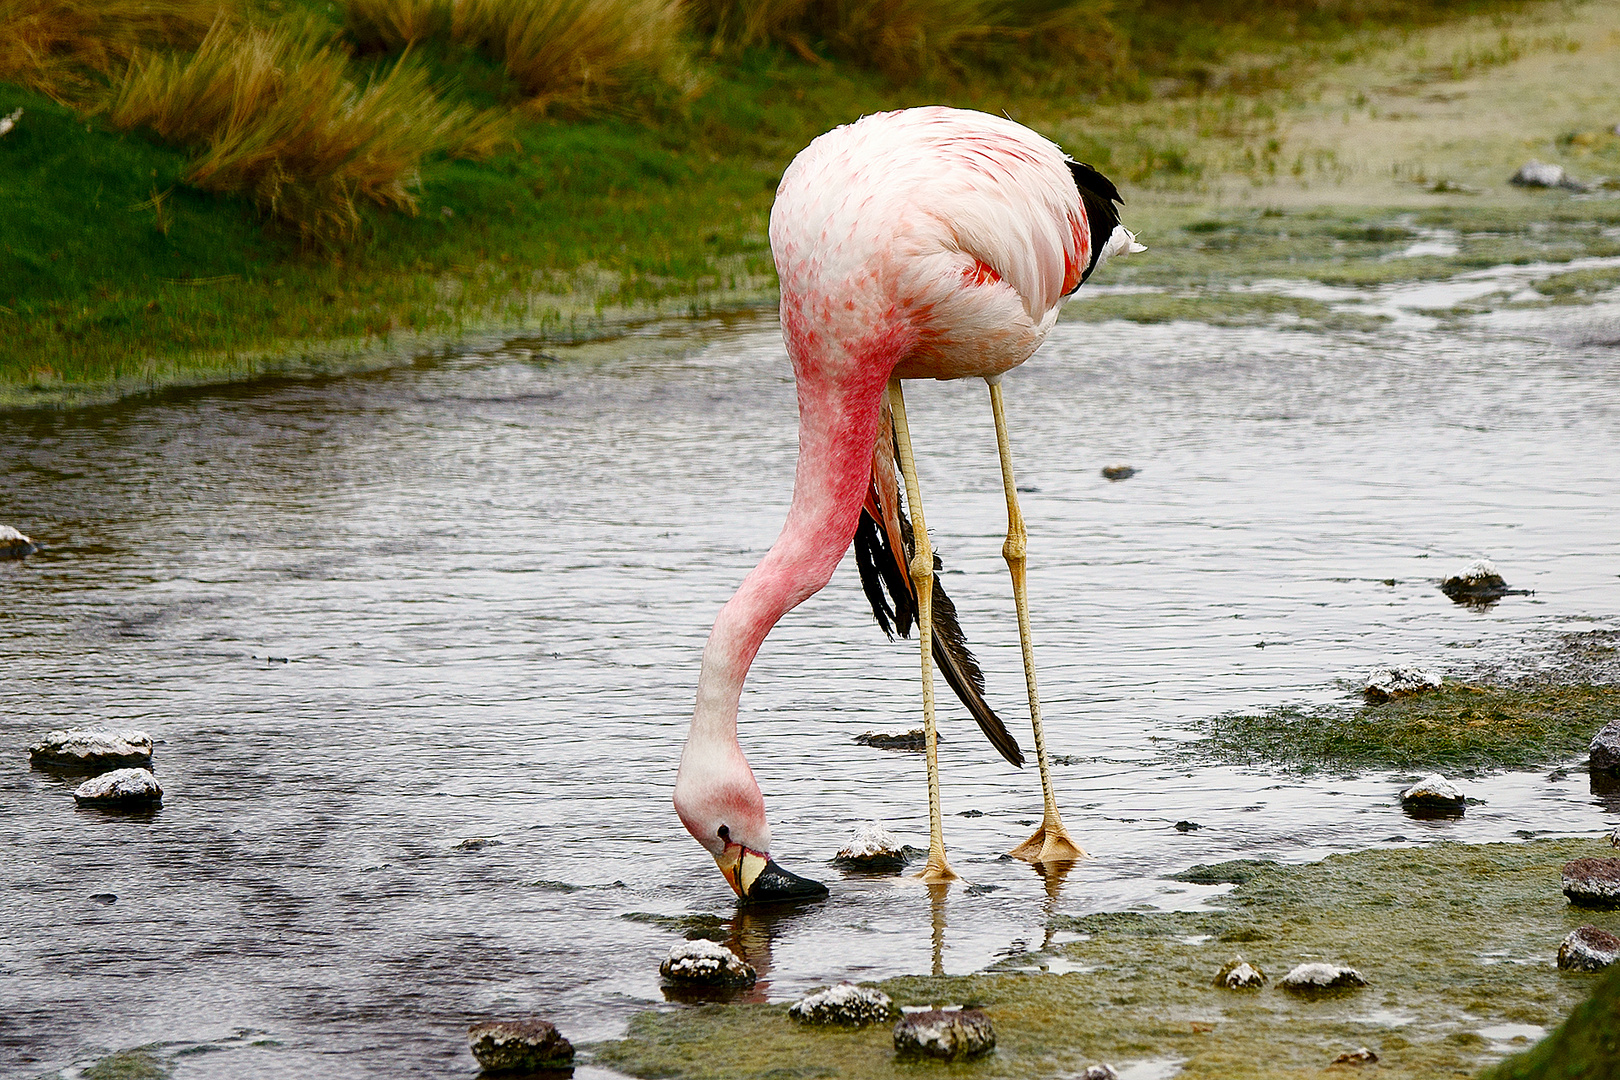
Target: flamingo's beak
{"x":756,"y":878}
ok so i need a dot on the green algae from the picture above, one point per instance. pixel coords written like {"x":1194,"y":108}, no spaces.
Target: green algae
{"x":1454,"y":940}
{"x":1459,"y":727}
{"x":137,"y":1064}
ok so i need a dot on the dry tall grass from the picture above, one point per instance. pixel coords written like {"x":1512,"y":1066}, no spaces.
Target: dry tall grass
{"x":275,"y":115}
{"x":58,"y":46}
{"x":908,"y":39}
{"x":567,"y":53}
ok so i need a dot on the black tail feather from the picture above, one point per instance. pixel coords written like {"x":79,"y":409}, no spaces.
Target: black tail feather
{"x":1100,"y":198}
{"x":893,"y":604}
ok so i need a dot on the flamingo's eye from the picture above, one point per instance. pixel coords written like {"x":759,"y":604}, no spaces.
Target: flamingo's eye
{"x":724,"y":833}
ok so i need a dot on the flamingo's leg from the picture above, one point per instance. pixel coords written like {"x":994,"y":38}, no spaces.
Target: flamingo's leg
{"x":1051,"y":842}
{"x":922,"y":579}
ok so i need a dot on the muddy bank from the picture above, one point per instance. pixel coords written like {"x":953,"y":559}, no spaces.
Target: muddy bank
{"x":1457,"y":943}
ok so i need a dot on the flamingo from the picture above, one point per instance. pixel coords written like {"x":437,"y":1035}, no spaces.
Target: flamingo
{"x":928,"y":243}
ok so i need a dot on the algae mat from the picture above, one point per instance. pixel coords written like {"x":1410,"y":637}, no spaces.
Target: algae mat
{"x":1457,"y":942}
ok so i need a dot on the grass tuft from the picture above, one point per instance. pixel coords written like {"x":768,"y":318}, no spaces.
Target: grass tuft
{"x":59,"y":47}
{"x":274,"y":115}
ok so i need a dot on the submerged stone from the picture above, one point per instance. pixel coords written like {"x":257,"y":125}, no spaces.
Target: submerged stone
{"x":1239,"y":974}
{"x":14,"y":545}
{"x":845,"y":1004}
{"x":121,"y":789}
{"x":873,"y":848}
{"x":915,"y":739}
{"x":1433,"y":795}
{"x":706,"y":963}
{"x":1604,"y":749}
{"x":1118,"y":472}
{"x":946,"y":1034}
{"x":92,"y":750}
{"x":1593,"y":882}
{"x":1588,"y":949}
{"x":1321,"y":978}
{"x":1387,"y":684}
{"x":518,"y":1045}
{"x":1478,"y":582}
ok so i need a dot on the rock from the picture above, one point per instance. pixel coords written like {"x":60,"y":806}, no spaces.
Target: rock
{"x":1588,"y":949}
{"x":873,"y":848}
{"x":92,"y":750}
{"x":1320,"y":978}
{"x":121,"y":789}
{"x":845,"y":1004}
{"x":1614,"y":837}
{"x":1188,"y":826}
{"x":1433,"y":795}
{"x":1593,"y":882}
{"x":1605,"y":748}
{"x":13,"y":544}
{"x":1118,"y":472}
{"x":476,"y":843}
{"x":1239,"y":974}
{"x":947,"y":1034}
{"x":518,"y":1045}
{"x":706,"y":963}
{"x":914,"y":739}
{"x":1541,"y":175}
{"x":1098,"y":1072}
{"x":1387,"y":684}
{"x":1363,"y":1056}
{"x":1478,"y":582}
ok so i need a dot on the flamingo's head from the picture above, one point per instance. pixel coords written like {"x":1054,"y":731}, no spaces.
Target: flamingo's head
{"x":719,"y":803}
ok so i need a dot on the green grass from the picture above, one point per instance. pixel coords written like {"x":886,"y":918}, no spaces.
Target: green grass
{"x":1458,"y":728}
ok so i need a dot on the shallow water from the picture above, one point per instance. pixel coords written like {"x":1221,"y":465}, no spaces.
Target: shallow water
{"x":490,"y":579}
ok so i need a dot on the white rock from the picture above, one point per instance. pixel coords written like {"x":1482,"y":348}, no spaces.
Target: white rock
{"x":1307,"y":978}
{"x":1098,"y":1072}
{"x":126,"y":789}
{"x":846,"y":1004}
{"x":1240,"y":975}
{"x":706,"y":963}
{"x":13,"y":544}
{"x":874,"y":848}
{"x":1433,"y":790}
{"x":1539,"y":174}
{"x":92,"y":748}
{"x":1588,"y":949}
{"x":1394,"y":682}
{"x":945,"y":1033}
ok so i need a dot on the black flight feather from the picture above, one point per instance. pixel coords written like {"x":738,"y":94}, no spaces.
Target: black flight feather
{"x":889,"y":591}
{"x":1101,"y":199}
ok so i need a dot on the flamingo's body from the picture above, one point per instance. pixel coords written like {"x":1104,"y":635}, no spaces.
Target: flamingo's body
{"x":927,"y":243}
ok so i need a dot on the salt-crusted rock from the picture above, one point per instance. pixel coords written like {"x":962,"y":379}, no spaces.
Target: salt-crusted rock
{"x":121,"y":789}
{"x":1614,"y":837}
{"x":1588,"y":949}
{"x":1239,"y":974}
{"x":1605,"y":748}
{"x":873,"y":848}
{"x":947,"y":1034}
{"x":1363,"y":1056}
{"x":1118,"y":472}
{"x":92,"y":750}
{"x":1098,"y":1072}
{"x":706,"y":963}
{"x":1317,"y":978}
{"x":518,"y":1045}
{"x":1477,"y":581}
{"x":1386,"y":684}
{"x":845,"y":1004}
{"x":1539,"y":174}
{"x":13,"y":544}
{"x":1593,"y":882}
{"x":1434,"y":794}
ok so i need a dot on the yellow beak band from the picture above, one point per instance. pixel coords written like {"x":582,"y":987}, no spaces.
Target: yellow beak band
{"x":742,"y":867}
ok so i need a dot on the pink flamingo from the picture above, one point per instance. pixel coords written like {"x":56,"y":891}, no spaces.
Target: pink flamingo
{"x":929,"y":243}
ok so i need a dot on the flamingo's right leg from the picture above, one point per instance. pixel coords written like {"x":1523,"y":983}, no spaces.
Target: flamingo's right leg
{"x":1051,"y":842}
{"x":922,"y":579}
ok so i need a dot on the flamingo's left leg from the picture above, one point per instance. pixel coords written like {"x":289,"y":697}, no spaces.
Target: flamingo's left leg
{"x":1051,"y":842}
{"x":922,"y":579}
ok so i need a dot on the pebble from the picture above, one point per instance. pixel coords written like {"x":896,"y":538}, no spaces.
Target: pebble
{"x":845,"y":1004}
{"x":1239,"y":974}
{"x":92,"y":750}
{"x":1539,"y":174}
{"x":1387,"y":684}
{"x":1434,"y":794}
{"x":1479,"y":580}
{"x":1593,"y":882}
{"x":121,"y":789}
{"x":706,"y":963}
{"x":518,"y":1045}
{"x":1605,"y":748}
{"x":1588,"y":949}
{"x":1118,"y":472}
{"x":1098,"y":1072}
{"x":873,"y":848}
{"x":1315,"y":978}
{"x":947,"y":1034}
{"x":14,"y":545}
{"x":1362,"y":1056}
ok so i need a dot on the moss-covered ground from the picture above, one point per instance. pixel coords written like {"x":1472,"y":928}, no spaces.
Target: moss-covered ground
{"x":1456,"y":941}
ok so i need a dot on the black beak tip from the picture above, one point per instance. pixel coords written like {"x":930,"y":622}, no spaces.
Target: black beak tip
{"x":776,"y":885}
